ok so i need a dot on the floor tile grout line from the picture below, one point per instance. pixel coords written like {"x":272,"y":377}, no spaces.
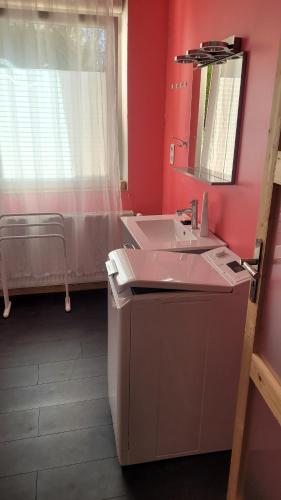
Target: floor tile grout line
{"x":18,"y":474}
{"x":17,"y":345}
{"x":52,"y":382}
{"x":36,"y":485}
{"x":81,"y":348}
{"x":48,"y":383}
{"x":25,"y":410}
{"x":18,"y":387}
{"x":50,"y":406}
{"x":41,"y":363}
{"x":75,"y":359}
{"x":110,"y":457}
{"x":38,"y":422}
{"x":72,"y":378}
{"x":21,"y":339}
{"x":13,"y":355}
{"x":52,"y":341}
{"x":51,"y":362}
{"x":15,"y":367}
{"x":84,"y":337}
{"x":18,"y":439}
{"x":56,"y":433}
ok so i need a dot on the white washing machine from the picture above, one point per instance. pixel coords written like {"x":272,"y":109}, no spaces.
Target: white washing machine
{"x":176,"y":324}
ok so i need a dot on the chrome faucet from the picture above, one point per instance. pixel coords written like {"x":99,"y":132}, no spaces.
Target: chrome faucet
{"x":193,"y":211}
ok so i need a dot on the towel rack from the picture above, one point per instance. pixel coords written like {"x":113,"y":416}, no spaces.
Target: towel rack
{"x":3,"y":239}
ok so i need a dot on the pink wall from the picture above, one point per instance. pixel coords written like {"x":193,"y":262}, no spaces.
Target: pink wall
{"x":233,"y":209}
{"x":147,"y":54}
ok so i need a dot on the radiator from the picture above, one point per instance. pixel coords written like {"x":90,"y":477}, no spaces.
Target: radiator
{"x":89,"y":238}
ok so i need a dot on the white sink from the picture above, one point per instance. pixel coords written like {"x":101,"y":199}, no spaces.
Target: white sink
{"x":166,"y":232}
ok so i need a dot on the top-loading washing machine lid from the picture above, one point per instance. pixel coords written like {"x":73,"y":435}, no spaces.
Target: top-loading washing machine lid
{"x":164,"y":270}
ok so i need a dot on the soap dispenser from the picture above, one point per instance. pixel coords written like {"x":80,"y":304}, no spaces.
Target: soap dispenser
{"x":204,"y":228}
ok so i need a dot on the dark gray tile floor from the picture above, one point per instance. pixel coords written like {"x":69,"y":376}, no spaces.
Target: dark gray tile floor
{"x":56,"y":437}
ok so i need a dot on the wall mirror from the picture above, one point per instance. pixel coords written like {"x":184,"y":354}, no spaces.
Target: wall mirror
{"x":215,"y":109}
{"x":214,"y":121}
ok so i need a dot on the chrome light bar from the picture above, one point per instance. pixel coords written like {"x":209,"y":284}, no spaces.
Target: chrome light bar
{"x":212,"y":52}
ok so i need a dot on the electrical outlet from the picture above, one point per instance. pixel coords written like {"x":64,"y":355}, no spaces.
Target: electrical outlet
{"x":172,"y":154}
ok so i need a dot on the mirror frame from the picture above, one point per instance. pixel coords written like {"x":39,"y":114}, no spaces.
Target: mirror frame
{"x":191,"y":170}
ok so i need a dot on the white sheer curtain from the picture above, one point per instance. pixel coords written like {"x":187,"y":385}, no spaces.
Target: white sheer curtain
{"x":58,"y":130}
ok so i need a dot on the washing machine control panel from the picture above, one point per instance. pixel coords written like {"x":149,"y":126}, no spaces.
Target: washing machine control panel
{"x":227,"y":263}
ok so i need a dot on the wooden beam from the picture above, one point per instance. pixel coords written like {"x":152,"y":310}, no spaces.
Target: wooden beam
{"x":268,"y":384}
{"x":239,"y":425}
{"x":277,"y":173}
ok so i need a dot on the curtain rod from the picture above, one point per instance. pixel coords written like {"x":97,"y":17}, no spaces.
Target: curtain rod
{"x":63,"y":6}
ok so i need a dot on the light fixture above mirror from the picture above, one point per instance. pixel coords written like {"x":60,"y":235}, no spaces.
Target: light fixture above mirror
{"x":212,"y":52}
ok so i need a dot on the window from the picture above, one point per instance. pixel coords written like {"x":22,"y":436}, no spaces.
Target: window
{"x":53,"y":106}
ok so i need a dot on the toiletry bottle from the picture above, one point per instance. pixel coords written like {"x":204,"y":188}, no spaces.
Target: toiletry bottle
{"x":204,"y":228}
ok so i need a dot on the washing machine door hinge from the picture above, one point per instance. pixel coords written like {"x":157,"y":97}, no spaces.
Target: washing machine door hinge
{"x":253,"y":268}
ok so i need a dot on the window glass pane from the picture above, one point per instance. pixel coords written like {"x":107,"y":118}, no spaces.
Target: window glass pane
{"x":34,"y":137}
{"x":53,"y":102}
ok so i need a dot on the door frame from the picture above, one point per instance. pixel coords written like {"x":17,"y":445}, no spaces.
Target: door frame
{"x":253,"y":368}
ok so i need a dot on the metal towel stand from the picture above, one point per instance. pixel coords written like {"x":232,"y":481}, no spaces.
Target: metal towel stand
{"x":61,"y":237}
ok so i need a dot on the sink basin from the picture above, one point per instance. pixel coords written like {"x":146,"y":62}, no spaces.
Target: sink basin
{"x":166,"y":232}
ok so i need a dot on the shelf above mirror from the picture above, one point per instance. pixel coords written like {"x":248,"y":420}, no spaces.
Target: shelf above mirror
{"x":206,"y":177}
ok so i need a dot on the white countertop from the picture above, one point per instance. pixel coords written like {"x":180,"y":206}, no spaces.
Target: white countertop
{"x":161,"y":237}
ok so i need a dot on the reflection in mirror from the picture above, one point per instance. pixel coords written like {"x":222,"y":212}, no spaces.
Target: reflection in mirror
{"x":215,"y":105}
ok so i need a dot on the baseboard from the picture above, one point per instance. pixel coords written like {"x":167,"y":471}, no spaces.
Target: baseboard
{"x":56,"y":288}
